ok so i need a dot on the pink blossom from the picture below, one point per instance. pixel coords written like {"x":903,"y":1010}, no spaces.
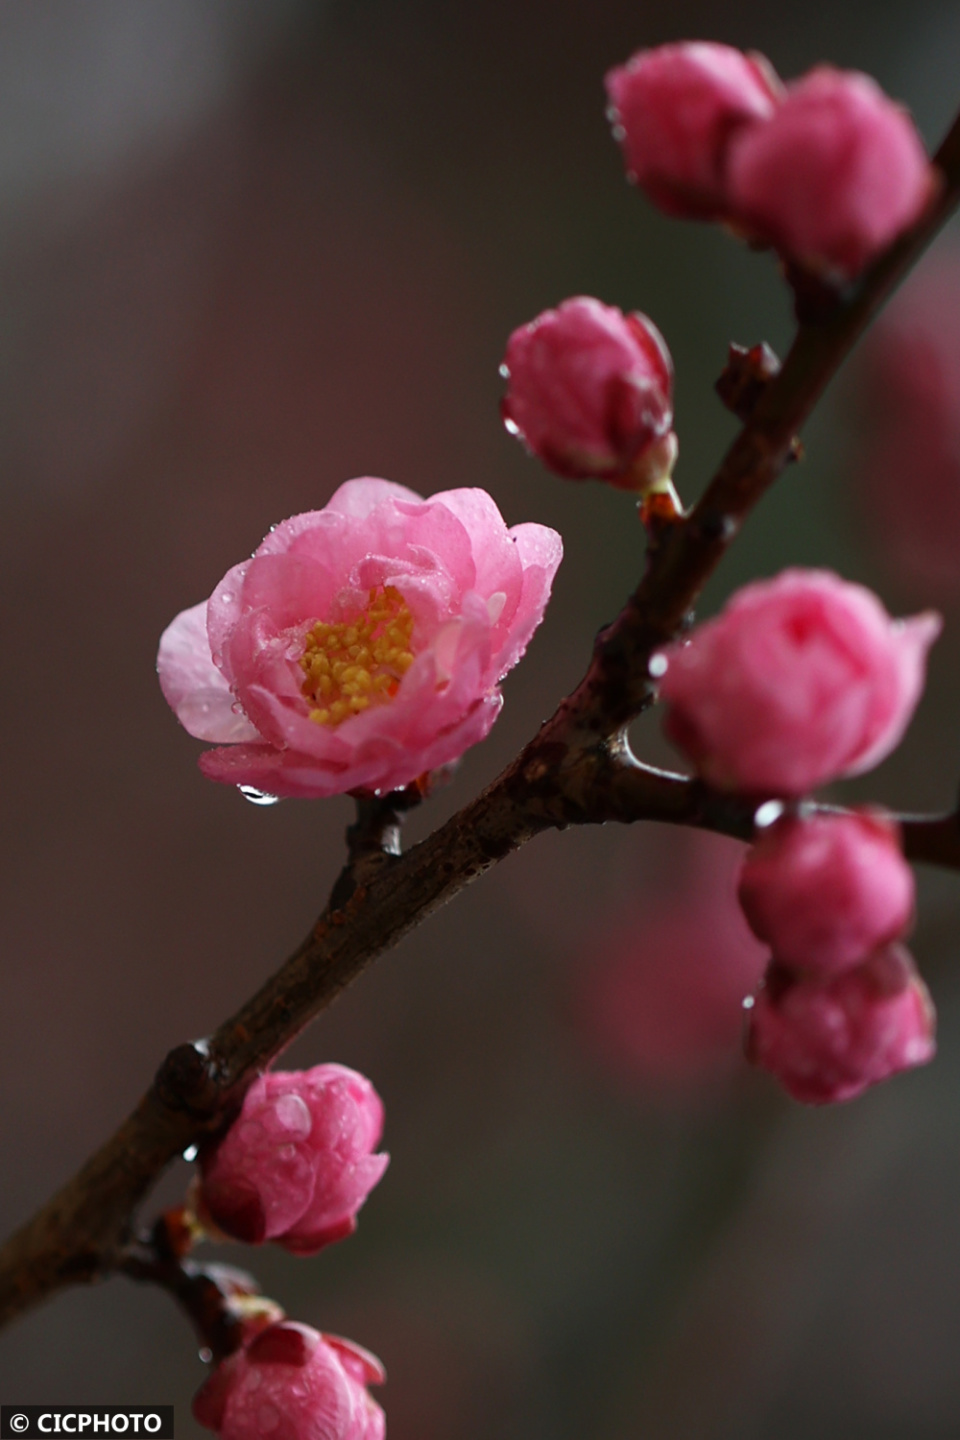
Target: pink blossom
{"x":290,"y":1382}
{"x":675,"y":109}
{"x":825,"y":890}
{"x":799,"y":680}
{"x":660,"y":991}
{"x":834,"y":176}
{"x":362,"y":644}
{"x":830,"y":1039}
{"x":909,"y":461}
{"x":298,"y":1162}
{"x":590,"y":392}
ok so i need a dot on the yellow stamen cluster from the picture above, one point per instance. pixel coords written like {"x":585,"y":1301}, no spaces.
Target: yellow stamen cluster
{"x":351,"y":665}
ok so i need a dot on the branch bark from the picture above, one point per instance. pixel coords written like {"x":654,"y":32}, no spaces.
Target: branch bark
{"x":577,"y":770}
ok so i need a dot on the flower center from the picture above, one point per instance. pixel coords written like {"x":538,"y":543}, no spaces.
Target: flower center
{"x":351,"y":665}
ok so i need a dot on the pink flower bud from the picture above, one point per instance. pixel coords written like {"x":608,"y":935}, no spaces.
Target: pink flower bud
{"x":834,"y":175}
{"x":799,"y":680}
{"x":825,"y":890}
{"x":829,"y":1039}
{"x":362,"y":644}
{"x":296,"y":1384}
{"x":590,"y":392}
{"x":675,"y":109}
{"x":297,"y":1163}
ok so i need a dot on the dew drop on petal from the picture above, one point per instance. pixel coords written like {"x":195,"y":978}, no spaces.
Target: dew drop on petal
{"x":191,"y":1152}
{"x":504,"y":371}
{"x":257,"y":797}
{"x":206,"y":1354}
{"x":511,"y":427}
{"x":657,"y":666}
{"x":768,"y":814}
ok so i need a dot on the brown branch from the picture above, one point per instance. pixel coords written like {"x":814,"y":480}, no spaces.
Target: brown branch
{"x":221,"y":1302}
{"x":577,"y":770}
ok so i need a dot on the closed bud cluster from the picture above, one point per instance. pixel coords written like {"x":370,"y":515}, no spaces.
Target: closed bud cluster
{"x":829,"y":1039}
{"x":825,"y":890}
{"x":828,"y":169}
{"x":292,"y":1382}
{"x":675,"y":111}
{"x":298,"y":1162}
{"x":841,"y":1006}
{"x":590,"y":393}
{"x":800,"y":680}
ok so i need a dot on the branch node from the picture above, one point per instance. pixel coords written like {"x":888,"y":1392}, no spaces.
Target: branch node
{"x":186,"y":1080}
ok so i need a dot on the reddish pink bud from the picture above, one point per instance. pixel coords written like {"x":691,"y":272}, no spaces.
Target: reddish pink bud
{"x":296,"y":1384}
{"x":590,"y":392}
{"x":834,"y":176}
{"x":829,"y":1039}
{"x":825,"y":890}
{"x":362,"y":644}
{"x":674,"y":111}
{"x":799,"y":680}
{"x":297,"y":1163}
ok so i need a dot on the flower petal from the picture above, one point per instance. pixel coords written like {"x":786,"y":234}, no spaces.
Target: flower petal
{"x":193,"y":686}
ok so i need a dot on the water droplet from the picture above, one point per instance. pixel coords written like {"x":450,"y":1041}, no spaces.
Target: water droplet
{"x":511,"y":427}
{"x":657,"y":666}
{"x":206,"y":1355}
{"x":768,"y":814}
{"x":748,"y":1002}
{"x":191,"y":1152}
{"x":257,"y":797}
{"x":505,"y":371}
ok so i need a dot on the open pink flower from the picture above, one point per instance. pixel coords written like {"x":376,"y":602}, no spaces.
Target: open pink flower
{"x":829,"y":1039}
{"x":297,"y":1163}
{"x":675,"y":109}
{"x":590,"y":392}
{"x":801,"y":679}
{"x":834,"y":175}
{"x":293,"y":1383}
{"x":362,"y":644}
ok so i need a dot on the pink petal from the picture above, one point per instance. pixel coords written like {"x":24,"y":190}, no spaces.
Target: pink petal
{"x":193,"y":686}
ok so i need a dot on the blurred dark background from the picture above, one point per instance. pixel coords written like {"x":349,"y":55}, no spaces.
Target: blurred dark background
{"x":250,"y":248}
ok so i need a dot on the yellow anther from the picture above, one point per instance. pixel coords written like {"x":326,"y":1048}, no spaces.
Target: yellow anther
{"x":350,"y":665}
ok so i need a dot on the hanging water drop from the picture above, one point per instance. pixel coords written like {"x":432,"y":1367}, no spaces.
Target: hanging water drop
{"x":191,"y":1153}
{"x":257,"y":797}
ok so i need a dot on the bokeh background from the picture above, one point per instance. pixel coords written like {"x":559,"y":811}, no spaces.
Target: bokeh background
{"x":250,"y":248}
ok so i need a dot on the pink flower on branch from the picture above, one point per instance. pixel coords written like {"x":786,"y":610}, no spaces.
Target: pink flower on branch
{"x":362,"y":644}
{"x":297,"y":1163}
{"x":833,"y":176}
{"x":825,"y":890}
{"x":675,"y":110}
{"x":293,"y":1383}
{"x":590,"y":393}
{"x":830,"y":1039}
{"x":801,"y":679}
